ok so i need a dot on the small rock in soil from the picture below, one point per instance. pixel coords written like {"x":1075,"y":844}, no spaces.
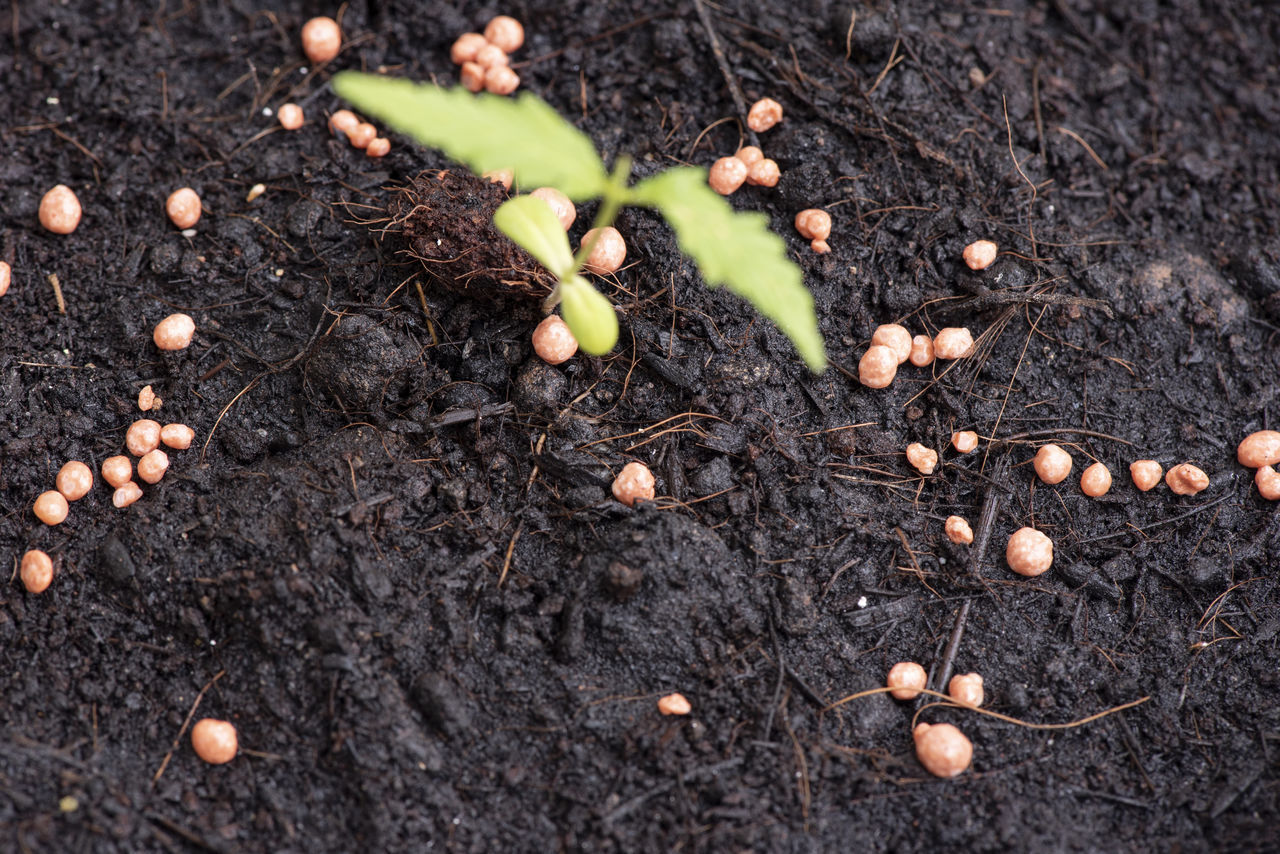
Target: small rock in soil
{"x":243,"y":444}
{"x":520,"y":636}
{"x":584,"y":496}
{"x":1208,"y":571}
{"x":539,"y":386}
{"x":842,"y":443}
{"x":868,"y":29}
{"x":302,"y":216}
{"x":1016,"y":696}
{"x":329,"y":632}
{"x":454,"y":493}
{"x":1121,"y":568}
{"x":621,"y":581}
{"x":190,"y":264}
{"x":115,"y":559}
{"x":571,"y":638}
{"x":726,"y":438}
{"x":1257,"y":269}
{"x":795,"y":599}
{"x":442,"y":704}
{"x":715,"y":476}
{"x":240,"y":234}
{"x":165,"y":258}
{"x":371,"y":579}
{"x":418,"y":749}
{"x":467,"y":395}
{"x":355,"y":362}
{"x":485,"y":368}
{"x":192,"y":624}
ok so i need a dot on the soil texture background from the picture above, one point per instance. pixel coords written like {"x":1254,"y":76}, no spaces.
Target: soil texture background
{"x":391,"y":556}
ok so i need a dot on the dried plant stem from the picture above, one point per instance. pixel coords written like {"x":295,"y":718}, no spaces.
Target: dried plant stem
{"x":57,"y":293}
{"x":952,"y":704}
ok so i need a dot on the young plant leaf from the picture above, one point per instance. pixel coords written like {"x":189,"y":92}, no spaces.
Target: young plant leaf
{"x":590,"y":316}
{"x":483,"y":131}
{"x":530,"y":222}
{"x":737,"y":250}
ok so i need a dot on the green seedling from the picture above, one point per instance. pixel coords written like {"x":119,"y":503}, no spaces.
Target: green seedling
{"x":524,"y":134}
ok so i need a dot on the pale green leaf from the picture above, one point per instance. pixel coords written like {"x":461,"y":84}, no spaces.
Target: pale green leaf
{"x":530,"y":222}
{"x":483,"y":131}
{"x":590,"y":316}
{"x":737,"y":250}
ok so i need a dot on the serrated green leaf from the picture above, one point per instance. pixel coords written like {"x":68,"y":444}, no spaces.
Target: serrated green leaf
{"x":530,"y":222}
{"x":737,"y":250}
{"x":590,"y":316}
{"x":483,"y":131}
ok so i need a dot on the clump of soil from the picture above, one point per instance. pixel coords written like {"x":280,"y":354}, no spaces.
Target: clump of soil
{"x":444,"y":219}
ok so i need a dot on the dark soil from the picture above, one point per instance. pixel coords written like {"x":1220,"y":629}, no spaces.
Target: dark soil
{"x":391,"y":556}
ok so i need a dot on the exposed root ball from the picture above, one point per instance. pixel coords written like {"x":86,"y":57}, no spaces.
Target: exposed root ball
{"x":445,"y":220}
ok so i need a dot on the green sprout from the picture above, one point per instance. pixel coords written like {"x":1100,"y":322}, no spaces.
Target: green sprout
{"x":524,"y":134}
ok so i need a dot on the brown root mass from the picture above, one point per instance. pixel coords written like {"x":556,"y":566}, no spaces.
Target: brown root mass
{"x":444,"y":219}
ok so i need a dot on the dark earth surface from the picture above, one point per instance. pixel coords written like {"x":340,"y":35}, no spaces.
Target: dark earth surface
{"x":391,"y":557}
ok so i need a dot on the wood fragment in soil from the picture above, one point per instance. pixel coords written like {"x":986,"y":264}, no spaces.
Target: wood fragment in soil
{"x":57,"y":293}
{"x":739,"y":102}
{"x":953,"y":645}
